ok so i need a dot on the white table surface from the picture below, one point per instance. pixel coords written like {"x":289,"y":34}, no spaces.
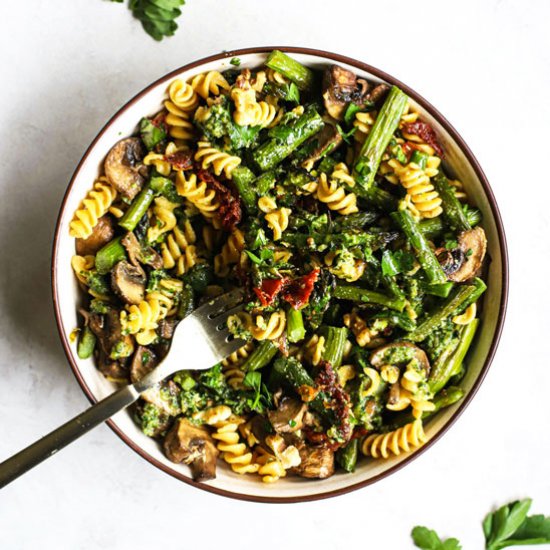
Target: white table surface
{"x":67,"y":66}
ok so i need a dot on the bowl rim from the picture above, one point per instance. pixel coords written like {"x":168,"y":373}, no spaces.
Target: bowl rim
{"x":337,"y":58}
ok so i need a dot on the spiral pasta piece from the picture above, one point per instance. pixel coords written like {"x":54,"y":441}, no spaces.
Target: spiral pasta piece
{"x":396,"y":442}
{"x":335,"y":197}
{"x":233,"y":451}
{"x":467,"y":317}
{"x":278,"y":220}
{"x":364,"y":335}
{"x":314,"y":349}
{"x":210,"y":83}
{"x":341,"y":174}
{"x":81,"y":265}
{"x":198,"y":194}
{"x":178,"y":249}
{"x":271,"y":329}
{"x":269,"y":467}
{"x":274,"y":76}
{"x":179,"y":125}
{"x":93,"y":207}
{"x":164,"y":221}
{"x":142,"y":319}
{"x":166,"y":294}
{"x":363,"y":122}
{"x":220,"y":161}
{"x":231,"y":366}
{"x":183,"y":95}
{"x":422,"y":198}
{"x":159,"y":161}
{"x":211,"y":237}
{"x":230,"y":253}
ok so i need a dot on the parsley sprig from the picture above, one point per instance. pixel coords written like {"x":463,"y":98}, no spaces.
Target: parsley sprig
{"x":508,"y":526}
{"x":158,"y":17}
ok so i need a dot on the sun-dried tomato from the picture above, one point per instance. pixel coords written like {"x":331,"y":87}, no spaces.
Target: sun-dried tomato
{"x":230,"y":210}
{"x":269,"y":290}
{"x":298,"y":291}
{"x":180,"y":160}
{"x":425,"y":132}
{"x":338,"y":399}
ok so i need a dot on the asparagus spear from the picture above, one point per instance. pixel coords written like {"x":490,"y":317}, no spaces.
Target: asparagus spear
{"x":137,"y":209}
{"x":274,"y":151}
{"x":424,"y":253}
{"x":448,"y":364}
{"x":451,"y":205}
{"x":243,"y":179}
{"x":86,"y":343}
{"x":261,"y":356}
{"x":292,"y":69}
{"x":295,"y":330}
{"x":112,"y":253}
{"x":453,"y":304}
{"x":335,"y":343}
{"x":433,"y":227}
{"x":356,"y":294}
{"x":381,"y":132}
{"x":347,"y":456}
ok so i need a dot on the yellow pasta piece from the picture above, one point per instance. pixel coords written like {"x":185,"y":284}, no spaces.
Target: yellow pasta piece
{"x":401,"y":440}
{"x":218,"y":160}
{"x":93,"y":207}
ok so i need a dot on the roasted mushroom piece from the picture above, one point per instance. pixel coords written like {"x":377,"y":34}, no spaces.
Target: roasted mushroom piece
{"x":473,"y":245}
{"x":139,"y":255}
{"x":103,"y":232}
{"x":289,"y":416}
{"x":326,"y":141}
{"x":192,"y":445}
{"x":316,"y":462}
{"x":341,"y":87}
{"x":114,"y":347}
{"x":450,"y":260}
{"x":143,"y":362}
{"x":123,"y":167}
{"x":128,"y":282}
{"x":402,"y":351}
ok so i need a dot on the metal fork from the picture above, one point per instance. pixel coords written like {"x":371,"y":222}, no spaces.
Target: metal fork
{"x":204,"y":331}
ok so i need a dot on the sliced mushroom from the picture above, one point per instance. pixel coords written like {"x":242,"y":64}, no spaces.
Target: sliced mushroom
{"x":103,"y":232}
{"x":341,"y":87}
{"x":128,"y":282}
{"x":110,"y":368}
{"x":378,"y":356}
{"x":164,"y":397}
{"x":473,"y":244}
{"x":139,"y":255}
{"x":316,"y":462}
{"x":378,"y":93}
{"x":108,"y":332}
{"x":167,"y":327}
{"x":123,"y":167}
{"x":192,"y":445}
{"x":289,"y":416}
{"x":327,"y":141}
{"x":450,"y":260}
{"x":143,"y":362}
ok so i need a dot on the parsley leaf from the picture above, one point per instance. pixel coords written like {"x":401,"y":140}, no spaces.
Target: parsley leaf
{"x":158,"y":17}
{"x":427,"y":539}
{"x":510,"y":526}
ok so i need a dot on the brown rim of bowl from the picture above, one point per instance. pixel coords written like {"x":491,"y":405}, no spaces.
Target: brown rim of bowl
{"x":494,"y":209}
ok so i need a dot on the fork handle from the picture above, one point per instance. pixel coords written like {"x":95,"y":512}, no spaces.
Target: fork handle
{"x":34,"y":454}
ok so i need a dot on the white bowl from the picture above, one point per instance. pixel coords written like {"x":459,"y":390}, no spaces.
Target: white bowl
{"x":66,"y":294}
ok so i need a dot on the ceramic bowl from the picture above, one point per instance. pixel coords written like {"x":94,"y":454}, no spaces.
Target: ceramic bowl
{"x":460,"y":161}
